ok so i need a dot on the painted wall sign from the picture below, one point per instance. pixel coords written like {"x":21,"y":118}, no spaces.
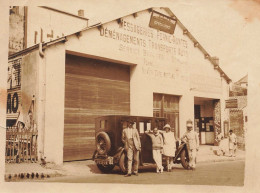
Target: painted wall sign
{"x":162,"y":22}
{"x":13,"y":88}
{"x":12,"y":103}
{"x":14,"y":74}
{"x":163,"y":54}
{"x":231,"y":103}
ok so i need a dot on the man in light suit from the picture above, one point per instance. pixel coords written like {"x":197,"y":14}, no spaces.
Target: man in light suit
{"x":132,"y":145}
{"x":192,"y":140}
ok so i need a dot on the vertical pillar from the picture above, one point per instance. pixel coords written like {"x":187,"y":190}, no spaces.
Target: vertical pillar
{"x":216,"y":118}
{"x":186,"y":111}
{"x":54,"y":103}
{"x":40,"y":104}
{"x":141,"y":96}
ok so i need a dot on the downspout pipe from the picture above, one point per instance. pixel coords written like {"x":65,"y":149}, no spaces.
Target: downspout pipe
{"x":40,"y":50}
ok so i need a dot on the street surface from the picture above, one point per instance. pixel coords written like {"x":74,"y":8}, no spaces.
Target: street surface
{"x":229,"y":173}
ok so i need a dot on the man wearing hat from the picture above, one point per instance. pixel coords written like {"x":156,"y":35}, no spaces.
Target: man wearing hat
{"x":132,"y":145}
{"x":192,"y":140}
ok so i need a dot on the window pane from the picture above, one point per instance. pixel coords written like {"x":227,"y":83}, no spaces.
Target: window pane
{"x":141,"y":127}
{"x":157,"y":100}
{"x":169,"y":110}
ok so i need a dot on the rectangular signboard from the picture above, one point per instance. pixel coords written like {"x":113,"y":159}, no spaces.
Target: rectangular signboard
{"x":231,"y":103}
{"x":162,"y":22}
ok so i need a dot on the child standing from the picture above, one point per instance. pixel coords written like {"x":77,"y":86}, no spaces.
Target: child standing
{"x":169,"y":146}
{"x":157,"y":144}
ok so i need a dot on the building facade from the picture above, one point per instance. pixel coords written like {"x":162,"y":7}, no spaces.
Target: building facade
{"x":237,"y":106}
{"x":31,"y":25}
{"x":146,"y":64}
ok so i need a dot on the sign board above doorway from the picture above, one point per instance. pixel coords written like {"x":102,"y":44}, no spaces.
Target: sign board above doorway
{"x":162,"y":22}
{"x":231,"y":103}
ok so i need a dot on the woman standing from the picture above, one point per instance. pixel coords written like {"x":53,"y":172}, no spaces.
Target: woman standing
{"x":169,"y":146}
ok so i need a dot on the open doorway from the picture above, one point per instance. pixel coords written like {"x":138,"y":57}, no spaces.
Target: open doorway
{"x":206,"y":119}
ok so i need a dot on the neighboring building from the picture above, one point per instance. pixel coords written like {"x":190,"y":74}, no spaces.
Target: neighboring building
{"x":32,"y":25}
{"x":243,"y":82}
{"x":239,"y":88}
{"x":237,"y":105}
{"x":132,"y":65}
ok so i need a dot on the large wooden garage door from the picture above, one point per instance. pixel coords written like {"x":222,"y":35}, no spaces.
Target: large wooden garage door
{"x":92,"y":88}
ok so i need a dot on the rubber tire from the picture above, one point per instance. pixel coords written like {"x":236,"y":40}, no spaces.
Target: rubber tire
{"x":105,"y":168}
{"x":107,"y":143}
{"x":123,"y":163}
{"x":184,"y":159}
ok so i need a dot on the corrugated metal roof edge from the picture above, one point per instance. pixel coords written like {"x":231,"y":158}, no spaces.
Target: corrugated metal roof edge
{"x":185,"y":31}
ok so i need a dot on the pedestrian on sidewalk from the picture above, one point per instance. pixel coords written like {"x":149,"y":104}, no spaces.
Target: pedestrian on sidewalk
{"x":132,"y":145}
{"x":232,"y":143}
{"x":219,"y":140}
{"x":157,"y":145}
{"x":192,"y":140}
{"x":169,"y":145}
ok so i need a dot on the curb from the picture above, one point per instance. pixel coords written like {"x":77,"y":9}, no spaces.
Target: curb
{"x":50,"y":174}
{"x":33,"y":175}
{"x":221,"y":159}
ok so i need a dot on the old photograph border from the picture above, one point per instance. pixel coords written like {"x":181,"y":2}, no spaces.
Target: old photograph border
{"x":252,"y":150}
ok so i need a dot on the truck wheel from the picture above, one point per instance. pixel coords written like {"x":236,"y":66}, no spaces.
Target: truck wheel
{"x":123,"y":163}
{"x":185,"y":159}
{"x":103,"y":143}
{"x":105,"y":168}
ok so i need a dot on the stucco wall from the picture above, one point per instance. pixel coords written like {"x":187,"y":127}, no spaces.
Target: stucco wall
{"x":54,"y":78}
{"x":162,"y":63}
{"x":45,"y":25}
{"x":29,"y":82}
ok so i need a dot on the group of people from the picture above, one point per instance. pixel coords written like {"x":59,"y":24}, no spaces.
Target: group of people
{"x":232,"y":144}
{"x":163,"y":143}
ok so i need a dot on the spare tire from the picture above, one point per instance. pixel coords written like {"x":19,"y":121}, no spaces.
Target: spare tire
{"x":103,"y":143}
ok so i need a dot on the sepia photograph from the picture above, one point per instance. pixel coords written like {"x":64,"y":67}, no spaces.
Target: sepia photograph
{"x":130,"y":94}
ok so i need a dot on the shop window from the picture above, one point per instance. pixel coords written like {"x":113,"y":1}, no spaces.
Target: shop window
{"x":207,"y":124}
{"x":167,"y":106}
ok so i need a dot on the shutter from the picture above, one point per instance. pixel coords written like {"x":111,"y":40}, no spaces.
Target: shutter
{"x":93,"y":88}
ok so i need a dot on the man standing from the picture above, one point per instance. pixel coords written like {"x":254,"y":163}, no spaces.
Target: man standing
{"x":132,"y":145}
{"x":232,"y":143}
{"x":192,"y":140}
{"x":219,"y":140}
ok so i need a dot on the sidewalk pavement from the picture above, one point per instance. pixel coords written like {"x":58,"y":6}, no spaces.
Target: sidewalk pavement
{"x":15,"y":171}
